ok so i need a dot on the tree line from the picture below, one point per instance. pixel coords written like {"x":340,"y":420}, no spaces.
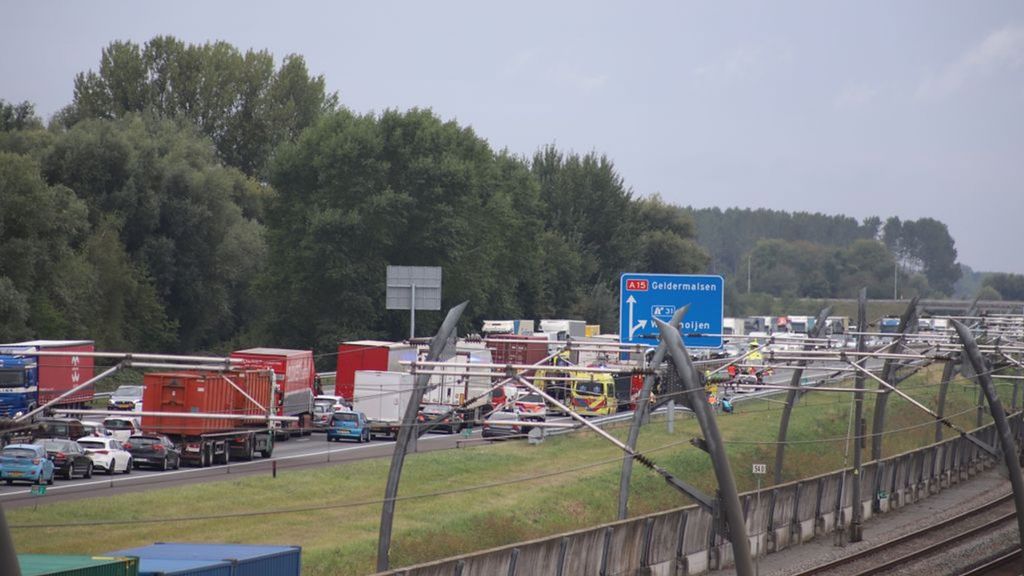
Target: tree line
{"x":197,"y":198}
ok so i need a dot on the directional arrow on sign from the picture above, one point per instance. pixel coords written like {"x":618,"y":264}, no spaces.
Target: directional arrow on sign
{"x":633,"y":327}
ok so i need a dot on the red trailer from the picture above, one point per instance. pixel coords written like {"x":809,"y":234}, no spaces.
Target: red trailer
{"x":373,"y":355}
{"x":518,"y":349}
{"x":294,"y":374}
{"x":206,"y":441}
{"x":32,"y":379}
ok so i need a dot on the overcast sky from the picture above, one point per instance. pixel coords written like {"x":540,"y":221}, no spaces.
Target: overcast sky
{"x":910,"y":109}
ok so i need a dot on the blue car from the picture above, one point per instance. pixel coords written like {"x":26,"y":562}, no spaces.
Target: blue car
{"x":25,"y":463}
{"x":351,"y":425}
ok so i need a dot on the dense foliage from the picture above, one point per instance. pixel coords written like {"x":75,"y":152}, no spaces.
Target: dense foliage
{"x":194,"y":198}
{"x":821,"y":256}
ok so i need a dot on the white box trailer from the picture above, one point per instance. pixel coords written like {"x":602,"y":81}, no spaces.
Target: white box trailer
{"x":497,"y":327}
{"x":733,"y":327}
{"x":383,"y":397}
{"x":560,"y":329}
{"x":456,"y":386}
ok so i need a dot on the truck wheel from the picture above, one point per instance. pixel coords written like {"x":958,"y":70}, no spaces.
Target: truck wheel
{"x":9,"y":482}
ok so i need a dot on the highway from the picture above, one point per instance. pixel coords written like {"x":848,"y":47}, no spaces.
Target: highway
{"x":296,"y":453}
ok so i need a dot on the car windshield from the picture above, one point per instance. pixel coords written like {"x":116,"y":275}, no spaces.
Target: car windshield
{"x":118,"y":424}
{"x":54,"y":445}
{"x":590,"y":388}
{"x":57,"y":428}
{"x":129,"y":392}
{"x":345,"y":417}
{"x":92,"y":444}
{"x":144,"y":441}
{"x":18,"y":453}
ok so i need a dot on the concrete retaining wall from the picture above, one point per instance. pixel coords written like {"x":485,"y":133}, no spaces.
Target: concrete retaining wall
{"x":688,"y":540}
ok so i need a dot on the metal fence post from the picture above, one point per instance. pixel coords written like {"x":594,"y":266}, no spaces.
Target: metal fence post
{"x":407,"y":432}
{"x":793,"y":394}
{"x":908,"y":323}
{"x":857,"y":517}
{"x":642,"y":406}
{"x":996,"y":407}
{"x":723,"y":473}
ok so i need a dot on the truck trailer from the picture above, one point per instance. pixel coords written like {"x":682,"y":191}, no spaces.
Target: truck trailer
{"x":294,"y":376}
{"x":376,"y":355}
{"x":29,"y":380}
{"x":383,"y":397}
{"x":207,"y":441}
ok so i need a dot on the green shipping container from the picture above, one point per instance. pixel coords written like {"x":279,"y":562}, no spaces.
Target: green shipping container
{"x":52,"y":565}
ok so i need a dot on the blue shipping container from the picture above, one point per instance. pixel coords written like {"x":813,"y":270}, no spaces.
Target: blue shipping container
{"x":246,"y":560}
{"x":165,"y":567}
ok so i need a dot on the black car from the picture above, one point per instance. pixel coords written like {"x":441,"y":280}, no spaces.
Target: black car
{"x":451,"y":423}
{"x":66,"y":428}
{"x":68,"y":458}
{"x":155,"y":450}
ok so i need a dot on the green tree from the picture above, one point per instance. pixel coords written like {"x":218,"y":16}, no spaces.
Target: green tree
{"x":238,"y":100}
{"x":18,"y":116}
{"x":40,"y":226}
{"x":160,"y":190}
{"x":358,"y":193}
{"x":1009,"y":286}
{"x":924,"y":245}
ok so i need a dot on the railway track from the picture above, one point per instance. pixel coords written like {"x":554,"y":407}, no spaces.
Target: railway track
{"x":1006,"y":564}
{"x":894,"y":555}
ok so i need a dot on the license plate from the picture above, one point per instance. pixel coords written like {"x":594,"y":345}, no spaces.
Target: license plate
{"x":17,"y":473}
{"x":142,"y":459}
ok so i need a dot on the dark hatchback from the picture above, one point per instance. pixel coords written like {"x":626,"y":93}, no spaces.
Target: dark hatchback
{"x":450,"y":420}
{"x":155,"y":450}
{"x":69,"y":459}
{"x":66,"y":428}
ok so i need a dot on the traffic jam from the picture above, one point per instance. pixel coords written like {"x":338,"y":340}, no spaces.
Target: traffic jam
{"x":509,"y":382}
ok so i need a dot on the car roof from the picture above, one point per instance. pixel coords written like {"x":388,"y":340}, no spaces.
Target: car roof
{"x":33,"y":447}
{"x":97,"y":438}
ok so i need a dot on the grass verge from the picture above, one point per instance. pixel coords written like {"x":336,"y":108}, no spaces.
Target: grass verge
{"x":474,"y":498}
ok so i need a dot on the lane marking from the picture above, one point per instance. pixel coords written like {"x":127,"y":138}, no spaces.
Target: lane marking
{"x":163,"y":474}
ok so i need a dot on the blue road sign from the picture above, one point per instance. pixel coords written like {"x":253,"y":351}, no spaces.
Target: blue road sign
{"x":646,"y":296}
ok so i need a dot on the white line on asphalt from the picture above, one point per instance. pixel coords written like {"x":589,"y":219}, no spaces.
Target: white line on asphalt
{"x":129,"y":478}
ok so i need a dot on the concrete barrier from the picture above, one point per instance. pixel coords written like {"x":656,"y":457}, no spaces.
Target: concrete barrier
{"x":688,"y":540}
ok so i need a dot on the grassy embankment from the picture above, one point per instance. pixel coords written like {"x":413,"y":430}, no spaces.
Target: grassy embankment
{"x":479,"y":497}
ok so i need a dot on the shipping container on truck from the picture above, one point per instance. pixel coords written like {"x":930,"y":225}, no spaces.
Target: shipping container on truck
{"x":513,"y":349}
{"x":68,"y":565}
{"x":294,"y":374}
{"x":207,"y":441}
{"x":29,"y":380}
{"x":245,"y":559}
{"x":383,"y":397}
{"x":375,"y":355}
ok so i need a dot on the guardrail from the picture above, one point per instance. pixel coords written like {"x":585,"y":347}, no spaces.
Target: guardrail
{"x":689,"y":540}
